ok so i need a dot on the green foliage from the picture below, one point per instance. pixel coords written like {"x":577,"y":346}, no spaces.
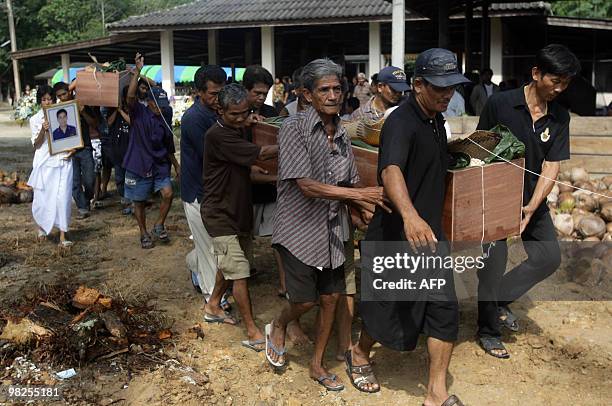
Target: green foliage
{"x":584,"y":9}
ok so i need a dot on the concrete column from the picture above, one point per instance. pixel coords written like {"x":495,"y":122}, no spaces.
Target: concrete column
{"x":66,"y":67}
{"x":374,"y":49}
{"x":496,"y":52}
{"x":167,"y":61}
{"x":213,"y":49}
{"x":267,"y":49}
{"x":398,"y":33}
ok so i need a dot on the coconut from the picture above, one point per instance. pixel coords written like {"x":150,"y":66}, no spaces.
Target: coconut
{"x":609,"y":228}
{"x":591,"y":226}
{"x":599,"y":185}
{"x":607,"y":237}
{"x":565,"y":187}
{"x":564,"y":224}
{"x":607,"y":180}
{"x":578,"y":214}
{"x":553,"y":196}
{"x":585,"y":186}
{"x":567,"y":202}
{"x":579,"y":175}
{"x":586,"y":202}
{"x":604,"y":197}
{"x":606,"y":212}
{"x":565,"y":176}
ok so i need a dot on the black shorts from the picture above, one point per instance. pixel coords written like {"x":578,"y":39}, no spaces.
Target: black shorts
{"x":305,"y":283}
{"x":397,"y":325}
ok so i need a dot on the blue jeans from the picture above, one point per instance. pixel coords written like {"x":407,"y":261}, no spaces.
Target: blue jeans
{"x":83,"y":178}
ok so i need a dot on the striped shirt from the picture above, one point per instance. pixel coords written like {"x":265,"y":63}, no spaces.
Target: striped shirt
{"x":312,"y":229}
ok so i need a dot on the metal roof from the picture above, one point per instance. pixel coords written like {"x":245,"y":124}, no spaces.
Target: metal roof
{"x":209,"y":14}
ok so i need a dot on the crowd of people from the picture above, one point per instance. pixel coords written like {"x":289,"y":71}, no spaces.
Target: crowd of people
{"x":312,"y":205}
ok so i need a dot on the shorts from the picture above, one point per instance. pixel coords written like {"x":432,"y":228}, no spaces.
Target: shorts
{"x":139,"y":189}
{"x":231,"y":253}
{"x":349,"y":268}
{"x":96,"y":146}
{"x":306,"y":283}
{"x":107,"y":155}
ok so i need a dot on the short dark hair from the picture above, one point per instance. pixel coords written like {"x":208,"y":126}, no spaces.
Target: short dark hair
{"x":60,"y":111}
{"x":296,"y":76}
{"x":43,"y":90}
{"x":487,"y":70}
{"x":61,"y":86}
{"x":212,"y":73}
{"x":143,"y":81}
{"x":353,"y":102}
{"x":557,"y":59}
{"x":232,"y":94}
{"x":374,"y":79}
{"x":256,"y":74}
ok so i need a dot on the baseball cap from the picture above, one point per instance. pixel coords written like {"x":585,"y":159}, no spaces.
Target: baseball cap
{"x":394,"y":77}
{"x":439,"y":67}
{"x":160,"y":96}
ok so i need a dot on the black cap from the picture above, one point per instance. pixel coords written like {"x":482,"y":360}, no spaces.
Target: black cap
{"x":439,"y":67}
{"x":159,"y":95}
{"x":394,"y":77}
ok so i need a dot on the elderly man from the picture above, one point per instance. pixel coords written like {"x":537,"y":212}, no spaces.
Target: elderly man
{"x":362,"y":89}
{"x":227,"y":209}
{"x":391,"y":84}
{"x":412,"y":167}
{"x":316,"y":176}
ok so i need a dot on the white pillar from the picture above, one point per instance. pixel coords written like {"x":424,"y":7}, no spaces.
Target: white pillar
{"x":267,"y":49}
{"x":496,"y":53}
{"x":167,"y":61}
{"x":213,"y":37}
{"x":374,"y":49}
{"x":66,"y":67}
{"x":398,"y":33}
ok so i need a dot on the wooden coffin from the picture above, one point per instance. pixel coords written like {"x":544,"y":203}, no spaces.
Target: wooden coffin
{"x":101,"y":88}
{"x":488,"y":198}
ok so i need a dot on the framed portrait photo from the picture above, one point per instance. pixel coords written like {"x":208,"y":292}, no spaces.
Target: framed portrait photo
{"x":64,"y":127}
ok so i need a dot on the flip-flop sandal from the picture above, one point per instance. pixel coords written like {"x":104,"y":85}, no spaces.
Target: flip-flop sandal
{"x":508,"y":319}
{"x":159,"y":231}
{"x":366,"y":375}
{"x":213,"y":318}
{"x":332,"y":378}
{"x":66,"y":244}
{"x":255,"y":345}
{"x":269,"y":345}
{"x":41,"y":236}
{"x":490,"y":344}
{"x":225,"y":304}
{"x":146,"y":242}
{"x":452,"y":400}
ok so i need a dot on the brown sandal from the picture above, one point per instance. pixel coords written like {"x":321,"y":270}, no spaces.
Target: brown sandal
{"x":364,"y":372}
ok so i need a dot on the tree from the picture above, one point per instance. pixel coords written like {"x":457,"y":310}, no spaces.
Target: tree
{"x":583,"y":9}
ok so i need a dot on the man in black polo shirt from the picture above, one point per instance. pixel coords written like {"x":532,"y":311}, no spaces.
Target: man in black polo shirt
{"x":412,"y":164}
{"x":533,"y":116}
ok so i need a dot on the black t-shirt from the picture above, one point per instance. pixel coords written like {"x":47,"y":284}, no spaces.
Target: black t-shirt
{"x":417,"y":145}
{"x":263,"y":193}
{"x":227,"y":207}
{"x":546,"y":139}
{"x":119,"y":135}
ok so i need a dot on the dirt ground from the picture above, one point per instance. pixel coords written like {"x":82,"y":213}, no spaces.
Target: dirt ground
{"x":563,"y":355}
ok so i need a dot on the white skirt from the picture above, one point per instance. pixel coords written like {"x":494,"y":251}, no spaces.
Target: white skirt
{"x":52,"y":196}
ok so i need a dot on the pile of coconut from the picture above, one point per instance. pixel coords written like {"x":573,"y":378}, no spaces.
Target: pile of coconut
{"x":581,"y":215}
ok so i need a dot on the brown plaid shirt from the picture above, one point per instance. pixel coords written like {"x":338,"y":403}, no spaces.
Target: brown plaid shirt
{"x":311,"y":229}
